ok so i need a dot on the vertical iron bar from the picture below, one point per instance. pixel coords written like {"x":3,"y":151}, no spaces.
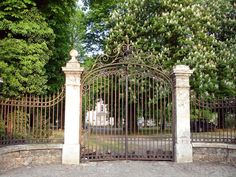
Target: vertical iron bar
{"x":44,"y":105}
{"x":10,"y":116}
{"x":214,"y":134}
{"x":231,"y":112}
{"x":210,"y":130}
{"x":87,"y":118}
{"x":101,"y":132}
{"x":112,"y":114}
{"x":16,"y":124}
{"x":30,"y":107}
{"x":126,"y":116}
{"x":37,"y":118}
{"x":49,"y":112}
{"x":134,"y":105}
{"x":168,"y":119}
{"x":57,"y":110}
{"x":146,"y":115}
{"x":164,"y":120}
{"x":111,"y":107}
{"x":93,"y":122}
{"x":153,"y":118}
{"x":226,"y":107}
{"x":115,"y":114}
{"x":33,"y":116}
{"x":199,"y":116}
{"x":20,"y":117}
{"x":105,"y":149}
{"x":61,"y":109}
{"x":123,"y":117}
{"x":143,"y":116}
{"x":194,"y":109}
{"x":53,"y":113}
{"x":41,"y":116}
{"x":157,"y":116}
{"x":234,"y":115}
{"x":119,"y":119}
{"x":97,"y":138}
{"x":80,"y":107}
{"x":161,"y":115}
{"x":109,"y":115}
{"x":149,"y":114}
{"x":130,"y":116}
{"x":223,"y":114}
{"x":138,"y":114}
{"x":135,"y":116}
{"x":157,"y":106}
{"x":5,"y":118}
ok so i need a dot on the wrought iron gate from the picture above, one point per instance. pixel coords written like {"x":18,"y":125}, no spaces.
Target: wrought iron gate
{"x":126,"y":109}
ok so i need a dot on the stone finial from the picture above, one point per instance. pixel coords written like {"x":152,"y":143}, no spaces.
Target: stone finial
{"x":73,"y":53}
{"x":73,"y":63}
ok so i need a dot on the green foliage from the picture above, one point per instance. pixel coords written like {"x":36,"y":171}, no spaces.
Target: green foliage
{"x":98,"y":25}
{"x":25,"y":40}
{"x":197,"y":33}
{"x":41,"y":128}
{"x":230,"y":121}
{"x":2,"y":128}
{"x":35,"y":39}
{"x":58,"y":15}
{"x":78,"y":30}
{"x":18,"y":124}
{"x":203,"y":114}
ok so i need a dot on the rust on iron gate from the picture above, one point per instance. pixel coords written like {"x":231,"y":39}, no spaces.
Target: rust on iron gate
{"x":126,"y":108}
{"x":32,"y":119}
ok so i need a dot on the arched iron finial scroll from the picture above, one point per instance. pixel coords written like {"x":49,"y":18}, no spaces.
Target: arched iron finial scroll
{"x":127,"y":53}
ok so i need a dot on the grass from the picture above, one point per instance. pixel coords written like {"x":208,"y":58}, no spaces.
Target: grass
{"x":110,"y":141}
{"x":116,"y":143}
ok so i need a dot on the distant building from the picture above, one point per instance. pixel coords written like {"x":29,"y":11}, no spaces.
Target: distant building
{"x":149,"y":123}
{"x":99,"y":116}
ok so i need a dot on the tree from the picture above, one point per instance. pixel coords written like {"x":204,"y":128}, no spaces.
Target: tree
{"x":25,"y":40}
{"x":98,"y":25}
{"x":182,"y":32}
{"x":78,"y":30}
{"x":58,"y":15}
{"x":227,"y":50}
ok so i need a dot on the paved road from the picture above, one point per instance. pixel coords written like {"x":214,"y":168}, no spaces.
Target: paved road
{"x":126,"y":169}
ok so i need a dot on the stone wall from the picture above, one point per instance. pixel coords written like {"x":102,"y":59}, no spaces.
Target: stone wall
{"x":24,"y":155}
{"x":214,"y":152}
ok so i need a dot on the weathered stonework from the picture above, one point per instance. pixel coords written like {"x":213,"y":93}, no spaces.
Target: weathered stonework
{"x":24,"y":155}
{"x":181,"y":114}
{"x":214,"y":152}
{"x":37,"y":154}
{"x":71,"y":147}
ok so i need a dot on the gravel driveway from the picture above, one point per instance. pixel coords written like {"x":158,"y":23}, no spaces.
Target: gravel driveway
{"x":126,"y":169}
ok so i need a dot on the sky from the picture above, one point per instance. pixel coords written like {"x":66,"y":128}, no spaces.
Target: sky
{"x":80,"y":3}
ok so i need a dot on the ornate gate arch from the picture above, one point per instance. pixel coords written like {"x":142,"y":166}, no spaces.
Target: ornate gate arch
{"x":126,"y":108}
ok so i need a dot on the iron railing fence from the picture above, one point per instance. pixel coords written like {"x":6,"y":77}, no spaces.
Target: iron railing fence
{"x":126,"y":114}
{"x":32,"y":119}
{"x":213,"y":120}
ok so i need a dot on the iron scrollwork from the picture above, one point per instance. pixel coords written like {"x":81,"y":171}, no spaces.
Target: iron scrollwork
{"x":125,"y":59}
{"x":126,"y":53}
